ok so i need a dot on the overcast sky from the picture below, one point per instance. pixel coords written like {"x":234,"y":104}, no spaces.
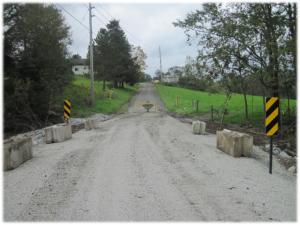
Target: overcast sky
{"x":148,"y":25}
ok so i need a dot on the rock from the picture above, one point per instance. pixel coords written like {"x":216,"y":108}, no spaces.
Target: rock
{"x":292,"y":169}
{"x":268,"y":146}
{"x":276,"y":150}
{"x":289,"y":152}
{"x":282,"y":153}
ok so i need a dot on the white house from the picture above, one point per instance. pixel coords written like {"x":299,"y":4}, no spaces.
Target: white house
{"x":170,"y":78}
{"x":80,"y":68}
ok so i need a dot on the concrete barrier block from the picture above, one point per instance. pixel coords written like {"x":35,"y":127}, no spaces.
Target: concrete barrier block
{"x":67,"y":130}
{"x":16,"y":152}
{"x":94,"y":123}
{"x":202,"y":128}
{"x":247,"y":145}
{"x":87,"y":125}
{"x":196,"y":127}
{"x":58,"y":134}
{"x":234,"y":143}
{"x":48,"y":135}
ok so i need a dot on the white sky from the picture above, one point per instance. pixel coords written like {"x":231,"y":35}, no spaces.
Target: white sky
{"x":148,"y":25}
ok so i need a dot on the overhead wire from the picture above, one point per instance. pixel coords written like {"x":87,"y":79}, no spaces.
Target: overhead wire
{"x":108,"y":20}
{"x":126,"y":29}
{"x":81,"y":41}
{"x":81,"y":21}
{"x":88,"y":28}
{"x":85,"y":6}
{"x":74,"y":17}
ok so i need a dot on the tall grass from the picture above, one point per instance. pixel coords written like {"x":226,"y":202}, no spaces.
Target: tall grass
{"x":108,"y":106}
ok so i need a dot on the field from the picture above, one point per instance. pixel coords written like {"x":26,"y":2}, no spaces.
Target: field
{"x":108,"y":106}
{"x":235,"y":106}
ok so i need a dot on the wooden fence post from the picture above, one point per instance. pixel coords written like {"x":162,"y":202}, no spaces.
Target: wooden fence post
{"x":212,"y":114}
{"x":223,"y":116}
{"x":197,"y":104}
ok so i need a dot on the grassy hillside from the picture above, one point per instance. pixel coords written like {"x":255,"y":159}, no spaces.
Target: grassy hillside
{"x":81,"y":89}
{"x":235,"y":106}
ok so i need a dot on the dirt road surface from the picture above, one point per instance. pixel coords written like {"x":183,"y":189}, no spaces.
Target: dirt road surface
{"x":146,"y":166}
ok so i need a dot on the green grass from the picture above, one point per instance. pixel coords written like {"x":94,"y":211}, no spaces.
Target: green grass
{"x":235,"y":106}
{"x":108,"y":106}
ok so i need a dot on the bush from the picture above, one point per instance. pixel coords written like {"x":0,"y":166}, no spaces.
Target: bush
{"x":171,"y":84}
{"x":110,"y":86}
{"x":81,"y":95}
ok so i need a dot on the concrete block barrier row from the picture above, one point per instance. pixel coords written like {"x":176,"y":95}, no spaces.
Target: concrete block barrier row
{"x":91,"y":124}
{"x":58,"y":133}
{"x":16,"y":152}
{"x":234,"y":143}
{"x":198,"y":127}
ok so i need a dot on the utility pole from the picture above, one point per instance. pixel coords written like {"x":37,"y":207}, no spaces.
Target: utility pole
{"x":91,"y":58}
{"x":160,"y":66}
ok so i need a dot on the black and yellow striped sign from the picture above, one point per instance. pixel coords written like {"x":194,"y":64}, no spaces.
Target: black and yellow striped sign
{"x":67,"y":108}
{"x":272,"y":116}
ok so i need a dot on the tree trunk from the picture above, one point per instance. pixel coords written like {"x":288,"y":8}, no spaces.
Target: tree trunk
{"x":287,"y":91}
{"x":115,"y":84}
{"x":245,"y":98}
{"x":103,"y":85}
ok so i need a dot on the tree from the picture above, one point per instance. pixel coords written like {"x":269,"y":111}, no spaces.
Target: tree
{"x":176,"y":71}
{"x":76,"y":56}
{"x":157,"y":75}
{"x":141,"y":58}
{"x":240,"y":39}
{"x":36,"y":39}
{"x":146,"y":78}
{"x":112,"y":56}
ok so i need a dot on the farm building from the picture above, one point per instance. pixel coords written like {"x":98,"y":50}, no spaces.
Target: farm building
{"x":80,"y":68}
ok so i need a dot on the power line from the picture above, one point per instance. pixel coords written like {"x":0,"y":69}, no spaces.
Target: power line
{"x":99,"y":20}
{"x":108,"y":20}
{"x":126,"y":30}
{"x":73,"y":17}
{"x":101,"y":13}
{"x":81,"y":21}
{"x":86,"y":6}
{"x":82,"y":41}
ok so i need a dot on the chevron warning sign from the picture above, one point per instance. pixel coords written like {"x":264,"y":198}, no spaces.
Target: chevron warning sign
{"x":272,"y":116}
{"x":67,"y":107}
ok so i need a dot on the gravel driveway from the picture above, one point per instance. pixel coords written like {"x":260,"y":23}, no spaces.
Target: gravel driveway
{"x":146,"y":166}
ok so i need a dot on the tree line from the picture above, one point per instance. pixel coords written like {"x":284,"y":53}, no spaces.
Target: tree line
{"x":250,"y":45}
{"x":115,"y":59}
{"x":38,"y":65}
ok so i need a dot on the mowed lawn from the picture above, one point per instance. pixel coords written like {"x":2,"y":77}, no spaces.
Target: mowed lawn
{"x":108,"y":106}
{"x":235,"y":106}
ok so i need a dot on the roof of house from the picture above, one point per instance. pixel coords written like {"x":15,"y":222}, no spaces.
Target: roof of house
{"x":79,"y":61}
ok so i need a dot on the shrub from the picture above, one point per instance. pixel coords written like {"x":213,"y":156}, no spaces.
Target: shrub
{"x":110,"y":86}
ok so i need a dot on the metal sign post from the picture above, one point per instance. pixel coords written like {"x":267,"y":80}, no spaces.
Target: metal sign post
{"x":271,"y":154}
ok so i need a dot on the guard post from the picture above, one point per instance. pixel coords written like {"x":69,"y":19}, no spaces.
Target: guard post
{"x":67,"y":110}
{"x":272,"y":116}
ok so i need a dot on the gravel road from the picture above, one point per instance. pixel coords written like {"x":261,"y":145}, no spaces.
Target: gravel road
{"x":146,"y":166}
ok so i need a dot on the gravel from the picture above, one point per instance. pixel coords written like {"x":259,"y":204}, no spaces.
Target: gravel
{"x":38,"y":135}
{"x":141,"y":166}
